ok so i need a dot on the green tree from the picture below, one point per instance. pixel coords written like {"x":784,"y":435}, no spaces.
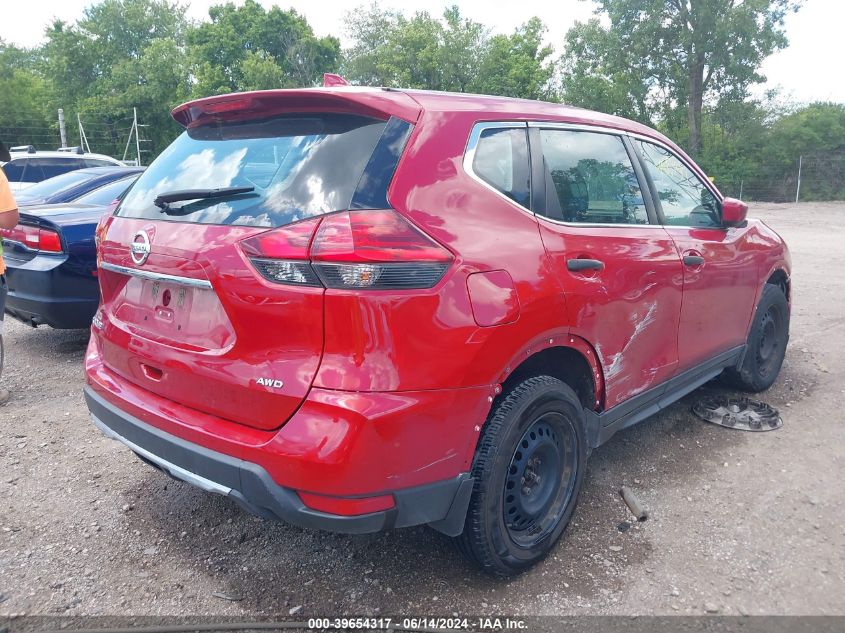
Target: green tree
{"x":154,"y":83}
{"x":598,"y":74}
{"x":76,"y":56}
{"x":25,"y":110}
{"x":517,"y":65}
{"x":259,"y":71}
{"x":679,"y":51}
{"x":370,"y":28}
{"x":120,"y":54}
{"x":243,"y":47}
{"x":816,"y":133}
{"x":417,"y":52}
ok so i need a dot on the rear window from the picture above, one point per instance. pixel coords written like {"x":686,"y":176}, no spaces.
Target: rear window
{"x":107,"y":194}
{"x":54,"y":186}
{"x":299,"y":166}
{"x":40,"y":169}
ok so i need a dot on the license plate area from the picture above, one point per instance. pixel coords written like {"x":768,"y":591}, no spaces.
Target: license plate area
{"x":171,"y":312}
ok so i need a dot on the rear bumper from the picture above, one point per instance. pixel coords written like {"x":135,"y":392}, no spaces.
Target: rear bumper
{"x":42,"y":292}
{"x":442,"y":504}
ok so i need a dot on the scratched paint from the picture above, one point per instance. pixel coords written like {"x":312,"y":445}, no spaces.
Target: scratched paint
{"x":615,"y":364}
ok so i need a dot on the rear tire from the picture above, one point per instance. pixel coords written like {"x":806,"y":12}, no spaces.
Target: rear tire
{"x":528,"y":468}
{"x":766,"y":343}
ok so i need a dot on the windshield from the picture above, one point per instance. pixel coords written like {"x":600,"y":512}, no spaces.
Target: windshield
{"x":107,"y":194}
{"x":53,"y":186}
{"x":298,"y":166}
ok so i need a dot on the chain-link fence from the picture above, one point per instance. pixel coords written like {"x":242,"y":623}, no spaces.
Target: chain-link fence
{"x":101,"y":133}
{"x":815,"y":177}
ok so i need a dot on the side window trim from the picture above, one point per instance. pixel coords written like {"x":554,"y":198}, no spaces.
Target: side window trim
{"x":539,"y":174}
{"x":653,"y":189}
{"x":646,"y":176}
{"x":655,"y":214}
{"x":469,"y":158}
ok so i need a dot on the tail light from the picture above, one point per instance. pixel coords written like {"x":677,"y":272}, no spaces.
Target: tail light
{"x":34,"y":238}
{"x":374,"y":250}
{"x":282,"y":255}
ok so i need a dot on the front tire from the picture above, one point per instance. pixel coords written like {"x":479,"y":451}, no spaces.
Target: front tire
{"x":766,"y":343}
{"x":528,"y":468}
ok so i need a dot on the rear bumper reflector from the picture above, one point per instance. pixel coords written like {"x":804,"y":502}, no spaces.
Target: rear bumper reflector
{"x":347,"y":506}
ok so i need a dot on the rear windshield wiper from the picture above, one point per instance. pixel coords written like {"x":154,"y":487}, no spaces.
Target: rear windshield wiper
{"x":163,"y":200}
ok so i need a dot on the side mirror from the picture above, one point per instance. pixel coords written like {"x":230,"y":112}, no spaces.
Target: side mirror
{"x":733,"y":212}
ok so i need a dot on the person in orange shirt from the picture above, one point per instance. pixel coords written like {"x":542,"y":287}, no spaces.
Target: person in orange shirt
{"x":8,"y":220}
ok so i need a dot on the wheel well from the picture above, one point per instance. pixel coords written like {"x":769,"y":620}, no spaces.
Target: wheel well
{"x":565,"y":364}
{"x":780,"y":279}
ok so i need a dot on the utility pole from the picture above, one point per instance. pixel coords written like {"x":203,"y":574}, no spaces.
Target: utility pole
{"x":128,"y":141}
{"x":741,"y":182}
{"x":798,"y":188}
{"x":62,"y":131}
{"x":83,"y":140}
{"x":137,"y":136}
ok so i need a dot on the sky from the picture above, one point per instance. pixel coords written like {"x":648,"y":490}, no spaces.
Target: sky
{"x":806,"y":71}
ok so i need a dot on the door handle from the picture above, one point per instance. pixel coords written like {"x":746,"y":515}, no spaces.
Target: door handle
{"x":578,"y":265}
{"x":693,"y":260}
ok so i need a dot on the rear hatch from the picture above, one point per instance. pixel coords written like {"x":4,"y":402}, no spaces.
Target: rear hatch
{"x":192,"y":310}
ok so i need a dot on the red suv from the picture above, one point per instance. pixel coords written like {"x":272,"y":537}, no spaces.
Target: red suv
{"x":360,"y":309}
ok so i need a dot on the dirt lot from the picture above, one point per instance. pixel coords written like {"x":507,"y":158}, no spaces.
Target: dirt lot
{"x":741,"y":522}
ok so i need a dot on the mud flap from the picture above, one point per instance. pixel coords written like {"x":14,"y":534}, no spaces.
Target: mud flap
{"x":453,"y":523}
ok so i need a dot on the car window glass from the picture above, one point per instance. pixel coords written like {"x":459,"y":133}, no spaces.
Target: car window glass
{"x":685,"y":200}
{"x":590,"y":178}
{"x":96,"y":162}
{"x":56,"y":185}
{"x":501,"y":160}
{"x":14,"y":170}
{"x":33,"y":171}
{"x":46,"y":168}
{"x":298,"y":166}
{"x":107,"y":194}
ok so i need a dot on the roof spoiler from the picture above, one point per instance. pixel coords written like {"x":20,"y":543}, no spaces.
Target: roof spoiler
{"x":330,"y":80}
{"x":243,"y":106}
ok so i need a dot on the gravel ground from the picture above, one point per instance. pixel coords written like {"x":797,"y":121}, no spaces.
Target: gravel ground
{"x":741,"y":523}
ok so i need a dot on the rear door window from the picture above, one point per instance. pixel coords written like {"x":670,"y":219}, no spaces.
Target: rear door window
{"x":501,"y":160}
{"x":299,"y":166}
{"x":590,"y":178}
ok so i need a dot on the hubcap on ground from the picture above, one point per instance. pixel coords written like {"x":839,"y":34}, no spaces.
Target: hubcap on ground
{"x":540,"y":479}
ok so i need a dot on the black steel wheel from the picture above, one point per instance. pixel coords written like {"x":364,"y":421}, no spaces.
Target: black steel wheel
{"x":766,"y":345}
{"x":528,"y":470}
{"x":541,"y":478}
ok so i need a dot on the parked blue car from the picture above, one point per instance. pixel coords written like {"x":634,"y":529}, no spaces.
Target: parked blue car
{"x":51,"y":259}
{"x":73,"y":185}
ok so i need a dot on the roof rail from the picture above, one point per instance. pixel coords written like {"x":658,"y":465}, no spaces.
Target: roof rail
{"x":72,"y":150}
{"x":29,"y":149}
